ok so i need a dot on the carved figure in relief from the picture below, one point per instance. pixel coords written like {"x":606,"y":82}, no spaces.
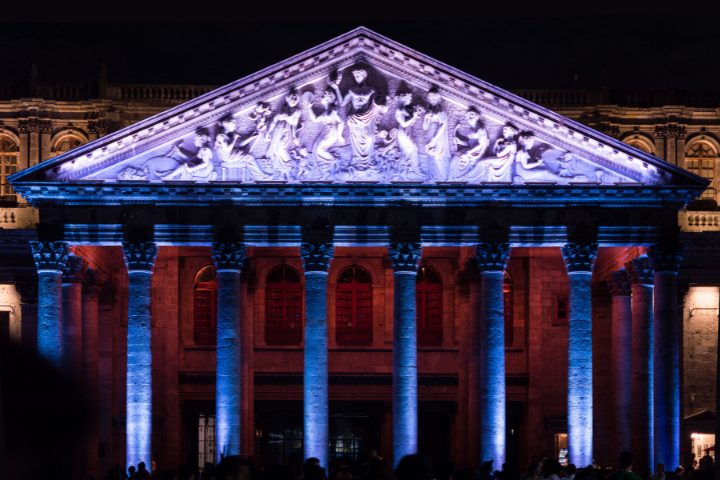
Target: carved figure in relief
{"x":471,"y":141}
{"x":438,"y":148}
{"x":201,"y":168}
{"x":332,"y":135}
{"x":361,"y":117}
{"x":407,"y":115}
{"x":528,"y":166}
{"x":499,"y":168}
{"x":282,"y":134}
{"x":165,"y":166}
{"x":566,"y":162}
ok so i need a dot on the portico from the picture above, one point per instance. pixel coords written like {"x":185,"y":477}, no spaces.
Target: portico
{"x":237,"y":173}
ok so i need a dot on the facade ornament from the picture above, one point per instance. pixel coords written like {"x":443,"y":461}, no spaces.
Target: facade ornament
{"x":323,"y":158}
{"x":579,"y":256}
{"x":228,"y":255}
{"x":470,"y":140}
{"x":285,"y":148}
{"x":492,"y":256}
{"x":140,"y":256}
{"x":619,"y":283}
{"x":640,"y":270}
{"x":665,"y":257}
{"x":436,"y":123}
{"x":74,"y":270}
{"x":50,"y":255}
{"x":405,"y":256}
{"x":316,"y":256}
{"x":29,"y":125}
{"x":406,"y":115}
{"x":608,"y":129}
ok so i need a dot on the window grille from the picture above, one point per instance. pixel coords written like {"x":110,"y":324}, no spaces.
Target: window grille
{"x":429,"y":310}
{"x":283,"y":307}
{"x":354,"y":307}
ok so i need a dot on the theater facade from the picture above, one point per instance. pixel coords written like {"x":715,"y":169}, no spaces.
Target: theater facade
{"x":361,"y":248}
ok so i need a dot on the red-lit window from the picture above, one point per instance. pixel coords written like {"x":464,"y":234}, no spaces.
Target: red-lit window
{"x":508,"y":304}
{"x":353,"y":307}
{"x":429,"y":308}
{"x":204,"y":306}
{"x":283,"y":307}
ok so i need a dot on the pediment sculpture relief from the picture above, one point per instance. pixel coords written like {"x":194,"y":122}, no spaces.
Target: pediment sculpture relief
{"x":360,"y":125}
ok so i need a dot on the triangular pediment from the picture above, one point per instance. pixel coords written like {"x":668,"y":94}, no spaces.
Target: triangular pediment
{"x":359,"y":109}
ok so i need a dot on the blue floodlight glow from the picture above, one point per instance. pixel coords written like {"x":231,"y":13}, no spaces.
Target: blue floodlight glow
{"x":229,"y":350}
{"x":49,"y":310}
{"x":139,"y":369}
{"x":580,"y":380}
{"x":405,"y":403}
{"x":315,"y":390}
{"x":491,"y":395}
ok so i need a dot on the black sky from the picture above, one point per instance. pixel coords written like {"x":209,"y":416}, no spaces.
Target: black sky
{"x":510,"y":45}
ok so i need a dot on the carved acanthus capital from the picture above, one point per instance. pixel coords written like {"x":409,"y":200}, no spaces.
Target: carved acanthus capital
{"x":619,"y":284}
{"x":99,"y":127}
{"x":609,"y":129}
{"x":228,"y":255}
{"x":140,"y":256}
{"x":405,"y":256}
{"x":29,"y":125}
{"x":579,"y":256}
{"x":44,"y":126}
{"x":74,"y":270}
{"x":640,"y":270}
{"x":492,"y":256}
{"x":671,"y":130}
{"x":665,"y":257}
{"x":50,"y":256}
{"x":316,"y":257}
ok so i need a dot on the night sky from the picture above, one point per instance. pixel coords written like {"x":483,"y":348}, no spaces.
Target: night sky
{"x":508,"y":44}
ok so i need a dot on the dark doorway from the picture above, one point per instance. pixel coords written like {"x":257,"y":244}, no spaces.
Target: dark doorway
{"x":279,"y":433}
{"x":199,"y":432}
{"x":434,"y":427}
{"x":514,"y":433}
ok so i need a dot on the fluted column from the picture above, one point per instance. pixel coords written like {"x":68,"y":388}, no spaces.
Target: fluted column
{"x":405,"y":257}
{"x":579,"y":260}
{"x":72,"y":315}
{"x":619,"y":286}
{"x":641,"y":276}
{"x":50,"y":258}
{"x":489,"y":351}
{"x":228,"y":258}
{"x":139,"y":259}
{"x":316,"y":258}
{"x":666,"y":260}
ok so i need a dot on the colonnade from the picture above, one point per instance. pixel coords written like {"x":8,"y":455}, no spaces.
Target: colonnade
{"x":645,"y":348}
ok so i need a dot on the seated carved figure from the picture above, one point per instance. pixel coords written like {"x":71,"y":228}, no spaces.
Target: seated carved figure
{"x":201,"y":168}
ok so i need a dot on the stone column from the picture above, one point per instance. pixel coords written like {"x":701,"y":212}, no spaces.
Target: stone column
{"x":50,"y":258}
{"x":641,"y":277}
{"x":316,"y":259}
{"x":139,"y":259}
{"x":579,"y":260}
{"x":619,"y":285}
{"x":488,"y":353}
{"x":666,"y":260}
{"x":72,"y":315}
{"x":228,"y":258}
{"x":405,"y":257}
{"x":90,"y":359}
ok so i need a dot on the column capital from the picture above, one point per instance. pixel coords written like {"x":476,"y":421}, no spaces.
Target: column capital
{"x":665,"y":257}
{"x":619,"y":284}
{"x":140,"y":256}
{"x":229,"y":255}
{"x":74,"y":270}
{"x":579,"y":256}
{"x":492,"y":256}
{"x":405,"y":256}
{"x":50,"y":255}
{"x":640,"y":270}
{"x":316,"y":256}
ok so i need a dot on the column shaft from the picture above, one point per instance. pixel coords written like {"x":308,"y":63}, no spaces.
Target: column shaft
{"x":229,"y":364}
{"x":140,"y":258}
{"x":621,"y":350}
{"x":405,"y":398}
{"x":315,"y":386}
{"x":90,"y":359}
{"x":579,"y":261}
{"x":72,"y":316}
{"x":666,"y":371}
{"x":491,"y":368}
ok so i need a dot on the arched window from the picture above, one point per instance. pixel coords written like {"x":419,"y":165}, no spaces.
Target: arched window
{"x":641,"y":143}
{"x":700,"y":159}
{"x":429,"y":308}
{"x":283,"y":307}
{"x":204,"y":306}
{"x":508,"y":309}
{"x":354,"y":307}
{"x":9,"y":155}
{"x":66,"y":143}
